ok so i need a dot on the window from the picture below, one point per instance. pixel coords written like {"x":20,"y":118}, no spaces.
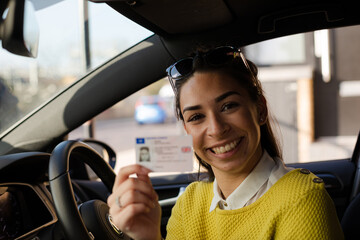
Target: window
{"x":314,"y":112}
{"x":285,"y":50}
{"x":146,"y":113}
{"x":27,"y":83}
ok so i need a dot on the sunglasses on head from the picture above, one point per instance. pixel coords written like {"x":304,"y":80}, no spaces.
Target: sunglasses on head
{"x":216,"y":57}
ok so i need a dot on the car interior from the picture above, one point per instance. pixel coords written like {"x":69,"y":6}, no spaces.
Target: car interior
{"x":46,"y":188}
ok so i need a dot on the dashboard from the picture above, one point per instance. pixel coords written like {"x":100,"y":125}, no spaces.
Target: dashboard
{"x":26,"y":205}
{"x":25,"y":201}
{"x":24,"y":210}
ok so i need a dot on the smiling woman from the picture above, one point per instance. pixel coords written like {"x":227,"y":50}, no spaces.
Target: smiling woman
{"x":230,"y":113}
{"x":250,"y":193}
{"x":230,"y":64}
{"x":246,"y":191}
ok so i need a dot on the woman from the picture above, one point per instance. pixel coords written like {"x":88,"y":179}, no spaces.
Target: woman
{"x":250,"y":193}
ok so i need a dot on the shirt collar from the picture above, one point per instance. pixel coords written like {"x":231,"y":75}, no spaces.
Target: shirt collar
{"x":248,"y":188}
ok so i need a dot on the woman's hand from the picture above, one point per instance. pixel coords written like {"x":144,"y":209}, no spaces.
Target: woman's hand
{"x":134,"y":206}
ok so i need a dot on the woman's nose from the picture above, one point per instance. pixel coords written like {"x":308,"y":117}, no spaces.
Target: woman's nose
{"x":217,"y":127}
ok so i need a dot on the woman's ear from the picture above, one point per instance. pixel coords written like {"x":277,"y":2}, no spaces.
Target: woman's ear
{"x":262,"y":110}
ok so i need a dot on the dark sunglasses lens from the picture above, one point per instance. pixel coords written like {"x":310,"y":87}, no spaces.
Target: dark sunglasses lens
{"x":181,"y":68}
{"x":220,"y":56}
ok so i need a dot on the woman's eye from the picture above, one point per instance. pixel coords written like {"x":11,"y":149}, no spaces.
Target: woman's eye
{"x":194,"y":117}
{"x":228,"y":106}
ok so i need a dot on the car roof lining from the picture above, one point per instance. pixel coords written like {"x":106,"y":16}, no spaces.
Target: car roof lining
{"x":260,"y":19}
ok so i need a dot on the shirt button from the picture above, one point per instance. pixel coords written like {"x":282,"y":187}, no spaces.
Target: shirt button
{"x":225,"y":204}
{"x":304,"y":171}
{"x":318,"y":180}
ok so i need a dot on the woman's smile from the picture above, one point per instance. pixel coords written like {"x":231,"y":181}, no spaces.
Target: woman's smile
{"x":228,"y":148}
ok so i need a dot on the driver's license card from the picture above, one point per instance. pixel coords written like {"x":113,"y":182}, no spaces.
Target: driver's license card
{"x":165,"y":154}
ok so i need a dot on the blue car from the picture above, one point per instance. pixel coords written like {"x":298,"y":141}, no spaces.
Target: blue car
{"x":150,"y":110}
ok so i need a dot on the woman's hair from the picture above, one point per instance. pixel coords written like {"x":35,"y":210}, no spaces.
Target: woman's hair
{"x":249,"y":81}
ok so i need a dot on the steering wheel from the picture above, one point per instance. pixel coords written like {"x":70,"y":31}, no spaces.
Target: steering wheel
{"x":91,"y":219}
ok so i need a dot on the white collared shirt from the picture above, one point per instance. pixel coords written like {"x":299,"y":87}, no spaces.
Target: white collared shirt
{"x":263,"y":176}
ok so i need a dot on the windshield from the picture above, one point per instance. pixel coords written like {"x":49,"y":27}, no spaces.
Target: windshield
{"x":69,"y":47}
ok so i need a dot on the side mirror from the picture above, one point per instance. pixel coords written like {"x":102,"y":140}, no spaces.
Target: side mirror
{"x":19,"y":30}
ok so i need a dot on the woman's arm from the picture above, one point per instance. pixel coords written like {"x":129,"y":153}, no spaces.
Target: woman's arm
{"x":313,"y":216}
{"x":134,"y":204}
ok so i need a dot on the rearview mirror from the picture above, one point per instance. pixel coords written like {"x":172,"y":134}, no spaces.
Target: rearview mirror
{"x":19,"y":30}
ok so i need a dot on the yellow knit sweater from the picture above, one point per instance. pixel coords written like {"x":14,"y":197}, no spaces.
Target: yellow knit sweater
{"x":295,"y":207}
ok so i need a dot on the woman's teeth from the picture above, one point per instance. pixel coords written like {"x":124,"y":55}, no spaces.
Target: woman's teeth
{"x":228,"y":147}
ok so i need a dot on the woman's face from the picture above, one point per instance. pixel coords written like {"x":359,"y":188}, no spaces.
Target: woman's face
{"x":223,"y":121}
